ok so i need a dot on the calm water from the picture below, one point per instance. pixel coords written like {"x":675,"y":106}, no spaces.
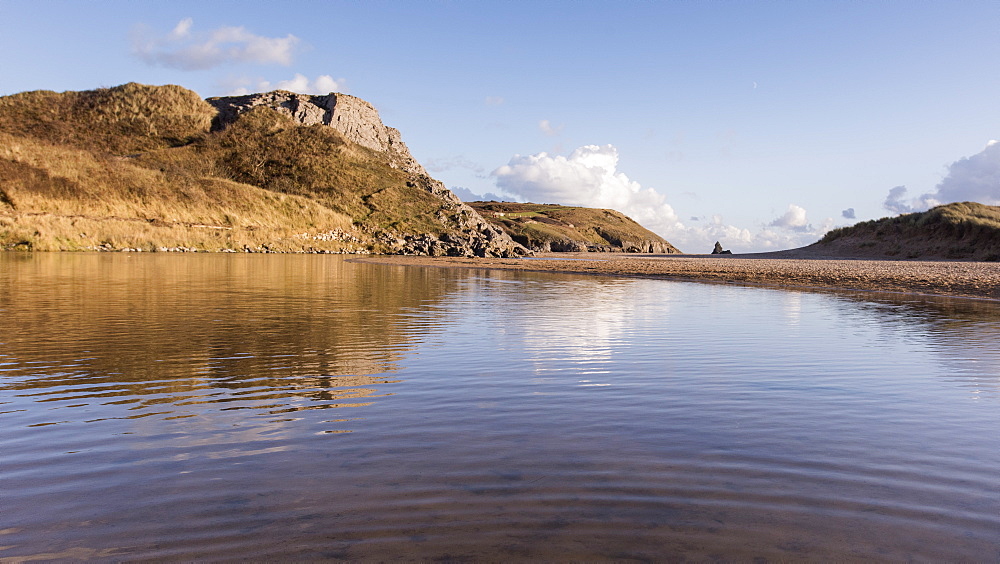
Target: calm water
{"x":305,"y":407}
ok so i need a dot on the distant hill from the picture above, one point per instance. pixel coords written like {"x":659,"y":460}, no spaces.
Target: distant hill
{"x":547,"y":227}
{"x":961,"y":231}
{"x":156,"y":167}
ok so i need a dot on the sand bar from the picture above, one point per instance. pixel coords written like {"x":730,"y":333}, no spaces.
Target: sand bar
{"x":783,"y":269}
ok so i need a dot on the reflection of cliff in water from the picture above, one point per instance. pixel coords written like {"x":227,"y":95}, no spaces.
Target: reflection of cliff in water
{"x":156,"y":326}
{"x":962,"y":332}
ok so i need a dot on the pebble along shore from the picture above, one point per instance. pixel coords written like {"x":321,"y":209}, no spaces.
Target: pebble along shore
{"x":787,"y":269}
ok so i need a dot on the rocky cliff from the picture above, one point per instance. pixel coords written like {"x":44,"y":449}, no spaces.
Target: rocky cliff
{"x":155,"y":167}
{"x":359,"y":122}
{"x":355,"y":118}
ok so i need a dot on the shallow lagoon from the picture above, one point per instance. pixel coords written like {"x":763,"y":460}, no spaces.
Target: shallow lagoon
{"x":293,"y":407}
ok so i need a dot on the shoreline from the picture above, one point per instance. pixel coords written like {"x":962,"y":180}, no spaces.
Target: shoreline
{"x":783,"y":269}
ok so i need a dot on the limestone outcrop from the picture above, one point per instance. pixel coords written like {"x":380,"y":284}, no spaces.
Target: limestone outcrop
{"x":355,"y":118}
{"x":465,"y":232}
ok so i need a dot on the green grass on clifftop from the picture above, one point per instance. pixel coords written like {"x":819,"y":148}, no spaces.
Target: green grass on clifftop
{"x":547,"y":227}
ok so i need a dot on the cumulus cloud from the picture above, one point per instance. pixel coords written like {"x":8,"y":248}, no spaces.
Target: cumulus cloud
{"x":184,"y":49}
{"x":791,"y":230}
{"x":894,"y":201}
{"x":549,"y":129}
{"x":323,"y":84}
{"x":848,"y":214}
{"x":975,"y":178}
{"x":794,"y":219}
{"x":589,"y":177}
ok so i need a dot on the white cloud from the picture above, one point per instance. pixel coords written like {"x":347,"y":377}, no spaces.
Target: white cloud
{"x":700,"y":239}
{"x":894,"y":200}
{"x":186,"y":50}
{"x":589,"y":177}
{"x":975,"y":178}
{"x":789,"y":231}
{"x":793,"y":219}
{"x":494,"y":101}
{"x":323,"y":84}
{"x":182,"y":29}
{"x":549,"y":129}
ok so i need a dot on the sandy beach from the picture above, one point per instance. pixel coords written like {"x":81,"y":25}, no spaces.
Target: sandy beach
{"x":791,"y":269}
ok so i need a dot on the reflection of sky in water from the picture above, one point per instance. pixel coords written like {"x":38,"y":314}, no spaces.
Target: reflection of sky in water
{"x":574,"y":327}
{"x":792,"y":307}
{"x":919,"y":332}
{"x":581,"y":326}
{"x":258,"y":410}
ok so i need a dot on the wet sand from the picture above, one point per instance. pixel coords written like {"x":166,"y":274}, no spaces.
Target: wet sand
{"x":791,"y":269}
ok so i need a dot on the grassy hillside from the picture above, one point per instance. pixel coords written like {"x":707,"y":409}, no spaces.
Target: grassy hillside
{"x":137,"y":167}
{"x":965,"y":230}
{"x":546,"y":227}
{"x":120,"y":120}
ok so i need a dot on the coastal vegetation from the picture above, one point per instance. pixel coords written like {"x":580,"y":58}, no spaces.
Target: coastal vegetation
{"x":549,"y":227}
{"x":139,"y":167}
{"x":958,"y":231}
{"x":148,"y":168}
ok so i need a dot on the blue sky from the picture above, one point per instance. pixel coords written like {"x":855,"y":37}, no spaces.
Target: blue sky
{"x":760,"y":124}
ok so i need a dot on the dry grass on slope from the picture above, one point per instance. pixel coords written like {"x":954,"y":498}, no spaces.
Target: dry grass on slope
{"x":267,"y":149}
{"x":122,"y":120}
{"x":56,"y":198}
{"x":959,"y":231}
{"x":133,"y":154}
{"x":535,"y":225}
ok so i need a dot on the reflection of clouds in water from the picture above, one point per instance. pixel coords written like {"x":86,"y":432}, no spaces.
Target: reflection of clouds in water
{"x":970,"y":350}
{"x":579,"y":326}
{"x":793,"y":307}
{"x":556,"y":325}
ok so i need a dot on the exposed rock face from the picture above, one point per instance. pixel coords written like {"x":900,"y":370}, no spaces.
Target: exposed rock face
{"x":718,"y":250}
{"x":468,"y":234}
{"x":355,"y":118}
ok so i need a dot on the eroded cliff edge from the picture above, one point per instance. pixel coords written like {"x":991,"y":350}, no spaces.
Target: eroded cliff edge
{"x":156,"y":168}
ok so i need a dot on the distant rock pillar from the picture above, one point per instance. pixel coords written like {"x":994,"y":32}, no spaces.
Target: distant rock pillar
{"x":718,"y":250}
